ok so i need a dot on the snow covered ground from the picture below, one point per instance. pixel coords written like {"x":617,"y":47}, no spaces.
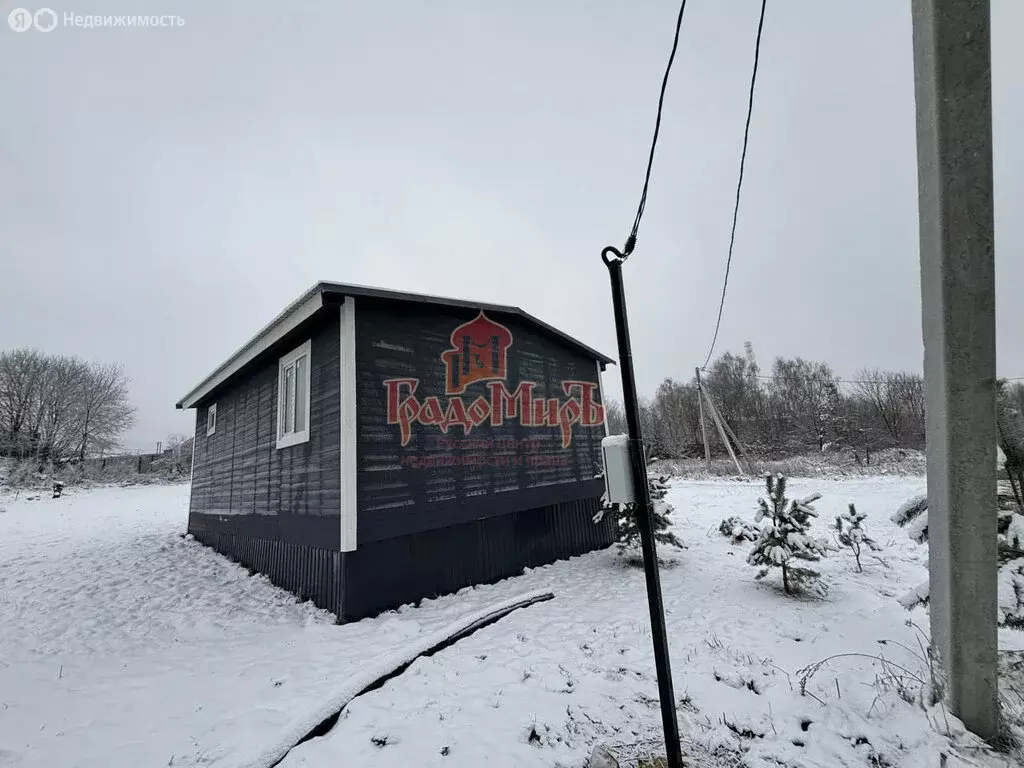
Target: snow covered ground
{"x":122,"y":644}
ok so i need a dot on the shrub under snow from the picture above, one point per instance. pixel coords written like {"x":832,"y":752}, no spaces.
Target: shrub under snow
{"x":738,"y":529}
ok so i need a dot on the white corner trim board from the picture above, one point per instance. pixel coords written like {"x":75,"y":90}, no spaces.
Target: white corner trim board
{"x":192,"y":468}
{"x":600,"y":391}
{"x":349,"y":426}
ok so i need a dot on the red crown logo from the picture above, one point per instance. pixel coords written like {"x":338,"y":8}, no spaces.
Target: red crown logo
{"x":479,"y":352}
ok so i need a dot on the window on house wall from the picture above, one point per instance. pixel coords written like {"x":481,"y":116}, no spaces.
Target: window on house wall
{"x":293,"y":397}
{"x":211,"y":419}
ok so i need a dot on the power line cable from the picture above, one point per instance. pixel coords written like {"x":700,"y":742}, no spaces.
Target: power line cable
{"x":739,"y":183}
{"x":631,"y":240}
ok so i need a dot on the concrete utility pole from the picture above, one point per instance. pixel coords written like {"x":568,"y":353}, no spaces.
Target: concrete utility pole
{"x":953,"y":87}
{"x":716,"y":417}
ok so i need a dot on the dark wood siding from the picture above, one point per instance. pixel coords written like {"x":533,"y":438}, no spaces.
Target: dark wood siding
{"x":311,"y":573}
{"x":385,"y":574}
{"x":242,"y":484}
{"x":396,"y":497}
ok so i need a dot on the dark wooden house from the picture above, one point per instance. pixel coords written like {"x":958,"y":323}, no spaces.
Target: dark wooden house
{"x":369,"y":448}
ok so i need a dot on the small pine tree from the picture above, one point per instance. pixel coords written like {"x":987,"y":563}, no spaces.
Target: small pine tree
{"x":784,"y":535}
{"x":627,"y":525}
{"x":851,"y":534}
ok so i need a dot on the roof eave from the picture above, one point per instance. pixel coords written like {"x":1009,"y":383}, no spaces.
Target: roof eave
{"x":311,"y":302}
{"x":294,"y":314}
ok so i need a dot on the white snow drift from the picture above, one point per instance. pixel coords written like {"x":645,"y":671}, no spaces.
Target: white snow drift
{"x":123,"y":644}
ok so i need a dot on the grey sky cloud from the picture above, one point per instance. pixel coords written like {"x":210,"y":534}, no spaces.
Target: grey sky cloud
{"x":164,"y":192}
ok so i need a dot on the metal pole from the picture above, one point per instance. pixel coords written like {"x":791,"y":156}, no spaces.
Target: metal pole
{"x":953,"y":88}
{"x":703,"y":430}
{"x":613,"y":259}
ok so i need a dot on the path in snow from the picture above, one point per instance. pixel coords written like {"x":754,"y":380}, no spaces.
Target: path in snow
{"x":123,"y":644}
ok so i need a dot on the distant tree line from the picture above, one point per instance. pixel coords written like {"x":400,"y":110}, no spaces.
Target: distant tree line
{"x":798,"y":406}
{"x":55,"y":408}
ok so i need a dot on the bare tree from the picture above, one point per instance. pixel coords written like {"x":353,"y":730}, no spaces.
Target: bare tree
{"x":897,"y":399}
{"x":677,"y":416}
{"x":105,"y":409}
{"x":55,"y":407}
{"x":1015,"y":394}
{"x":616,"y":417}
{"x":652,"y":428}
{"x":876,"y":388}
{"x":21,"y":374}
{"x":733,"y":383}
{"x":1010,"y":426}
{"x":910,"y":394}
{"x":59,"y":406}
{"x":807,"y":395}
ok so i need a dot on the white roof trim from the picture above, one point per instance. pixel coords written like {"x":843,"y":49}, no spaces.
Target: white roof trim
{"x":300,"y":311}
{"x":312,"y":300}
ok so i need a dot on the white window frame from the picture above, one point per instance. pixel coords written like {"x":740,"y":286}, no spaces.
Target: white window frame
{"x":293,"y":438}
{"x":211,"y":419}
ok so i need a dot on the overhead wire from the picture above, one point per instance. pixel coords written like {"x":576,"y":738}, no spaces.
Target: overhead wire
{"x":641,"y":206}
{"x":631,"y":240}
{"x":739,"y":183}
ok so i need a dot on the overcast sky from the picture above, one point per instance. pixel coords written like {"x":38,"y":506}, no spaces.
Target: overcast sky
{"x":164,"y":192}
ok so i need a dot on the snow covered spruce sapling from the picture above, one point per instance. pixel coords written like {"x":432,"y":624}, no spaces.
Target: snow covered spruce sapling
{"x":784,"y":538}
{"x":851,"y":534}
{"x":913,"y":515}
{"x":626,"y":524}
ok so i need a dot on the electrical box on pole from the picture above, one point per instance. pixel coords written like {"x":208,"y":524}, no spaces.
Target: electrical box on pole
{"x":618,"y":470}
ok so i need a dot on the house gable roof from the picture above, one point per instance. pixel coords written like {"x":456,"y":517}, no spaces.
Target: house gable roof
{"x":310,"y":302}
